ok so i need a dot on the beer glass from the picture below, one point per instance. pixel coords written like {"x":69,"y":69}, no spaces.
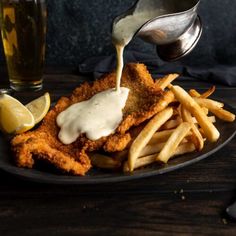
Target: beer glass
{"x":23,"y":29}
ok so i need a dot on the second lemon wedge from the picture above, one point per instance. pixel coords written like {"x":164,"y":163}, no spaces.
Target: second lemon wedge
{"x":39,"y":107}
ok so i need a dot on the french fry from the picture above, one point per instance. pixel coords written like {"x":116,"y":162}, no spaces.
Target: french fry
{"x":212,"y":119}
{"x":164,"y":82}
{"x":216,"y":108}
{"x":223,"y":114}
{"x":155,"y":148}
{"x":207,"y":94}
{"x":147,"y":160}
{"x":196,"y":136}
{"x":173,"y":142}
{"x":151,"y":149}
{"x":141,"y":162}
{"x":161,"y":136}
{"x":146,"y":134}
{"x":104,"y":162}
{"x":206,"y":110}
{"x":194,"y":93}
{"x":189,"y":103}
{"x":204,"y":102}
{"x":183,"y":149}
{"x":171,"y":124}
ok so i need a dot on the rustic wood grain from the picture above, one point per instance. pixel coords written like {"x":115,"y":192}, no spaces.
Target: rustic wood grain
{"x":190,"y":201}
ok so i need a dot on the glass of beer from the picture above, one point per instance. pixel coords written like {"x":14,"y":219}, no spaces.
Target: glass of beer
{"x":23,"y":29}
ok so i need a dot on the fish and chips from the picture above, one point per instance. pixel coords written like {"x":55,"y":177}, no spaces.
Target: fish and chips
{"x":160,"y":122}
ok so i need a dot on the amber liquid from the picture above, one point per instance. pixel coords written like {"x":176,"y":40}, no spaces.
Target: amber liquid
{"x":23,"y":28}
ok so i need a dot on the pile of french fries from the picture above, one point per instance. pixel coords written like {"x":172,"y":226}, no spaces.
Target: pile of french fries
{"x":179,"y":129}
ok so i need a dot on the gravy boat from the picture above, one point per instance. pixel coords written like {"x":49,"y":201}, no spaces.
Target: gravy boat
{"x":175,"y":32}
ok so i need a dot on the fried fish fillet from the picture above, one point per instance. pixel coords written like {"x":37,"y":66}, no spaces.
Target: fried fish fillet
{"x":145,"y":100}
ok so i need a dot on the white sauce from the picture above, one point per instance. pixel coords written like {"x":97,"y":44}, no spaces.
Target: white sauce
{"x":120,"y":65}
{"x":97,"y":117}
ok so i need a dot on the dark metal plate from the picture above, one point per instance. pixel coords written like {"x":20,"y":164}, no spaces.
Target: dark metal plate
{"x":94,"y":176}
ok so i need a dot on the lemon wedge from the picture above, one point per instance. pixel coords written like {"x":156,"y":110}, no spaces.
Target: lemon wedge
{"x":39,"y":107}
{"x":14,"y":116}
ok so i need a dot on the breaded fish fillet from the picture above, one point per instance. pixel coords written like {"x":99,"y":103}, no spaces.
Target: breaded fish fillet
{"x":144,"y":101}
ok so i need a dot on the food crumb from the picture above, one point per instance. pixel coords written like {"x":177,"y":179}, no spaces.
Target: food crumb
{"x":224,"y":221}
{"x":175,"y":192}
{"x":183,"y":197}
{"x":181,"y":191}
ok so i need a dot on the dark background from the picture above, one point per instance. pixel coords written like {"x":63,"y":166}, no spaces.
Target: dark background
{"x":79,"y":29}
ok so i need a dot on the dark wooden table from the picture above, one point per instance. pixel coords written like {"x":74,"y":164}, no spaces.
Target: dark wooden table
{"x":190,"y":201}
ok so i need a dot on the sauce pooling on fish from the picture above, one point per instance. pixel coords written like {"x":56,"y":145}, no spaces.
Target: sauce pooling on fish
{"x":97,"y":117}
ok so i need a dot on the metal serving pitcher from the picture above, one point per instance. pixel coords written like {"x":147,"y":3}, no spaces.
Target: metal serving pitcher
{"x":175,"y":32}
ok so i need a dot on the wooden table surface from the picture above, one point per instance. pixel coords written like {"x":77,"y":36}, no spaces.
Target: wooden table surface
{"x":189,"y":201}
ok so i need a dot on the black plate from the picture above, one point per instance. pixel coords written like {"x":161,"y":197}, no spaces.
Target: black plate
{"x":227,"y":130}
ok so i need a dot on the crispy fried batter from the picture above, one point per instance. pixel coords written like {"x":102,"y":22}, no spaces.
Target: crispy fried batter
{"x":145,"y":100}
